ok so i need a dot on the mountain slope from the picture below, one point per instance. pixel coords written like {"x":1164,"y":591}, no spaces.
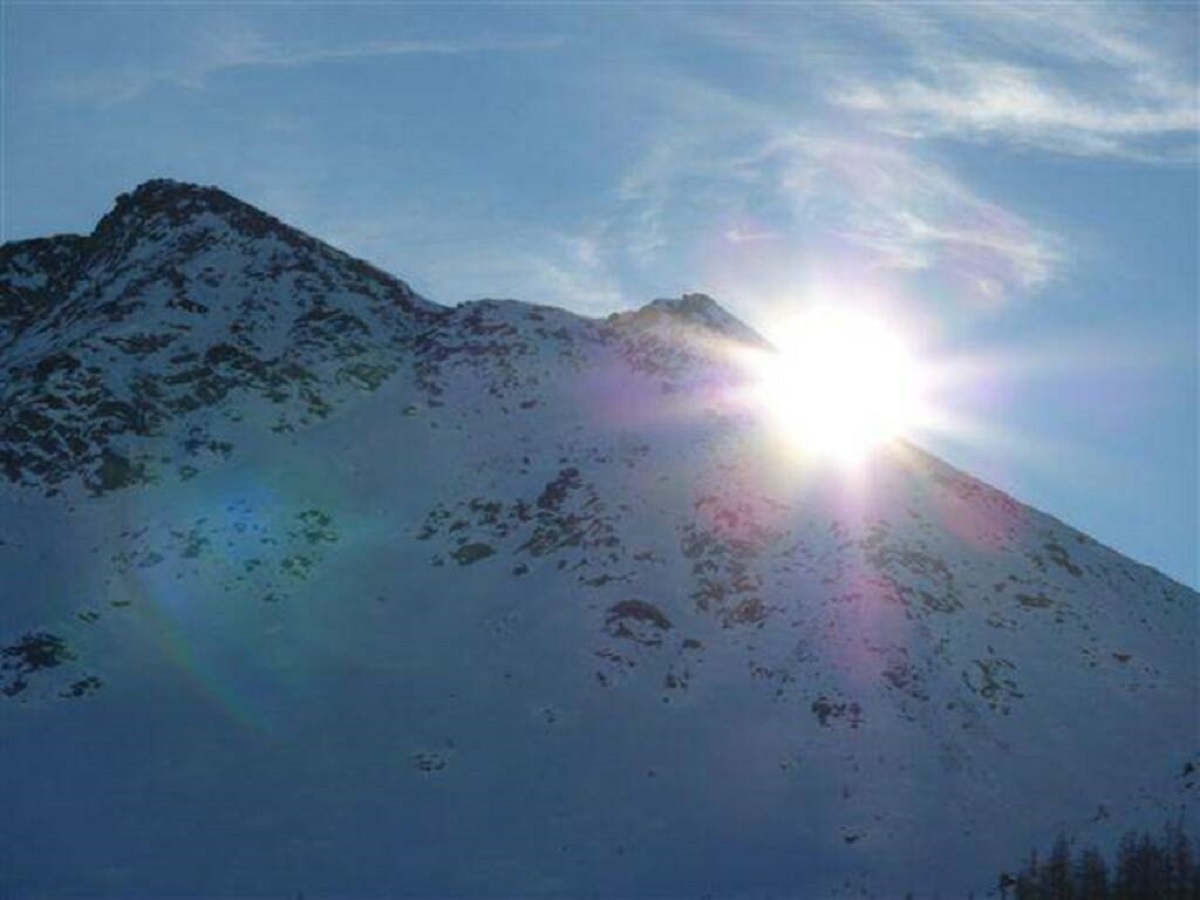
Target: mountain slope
{"x":543,"y":609}
{"x":185,"y":311}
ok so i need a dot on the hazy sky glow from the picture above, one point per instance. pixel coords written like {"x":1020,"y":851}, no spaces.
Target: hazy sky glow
{"x":1017,"y":183}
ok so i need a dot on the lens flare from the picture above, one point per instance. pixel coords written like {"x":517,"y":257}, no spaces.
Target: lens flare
{"x":841,"y":385}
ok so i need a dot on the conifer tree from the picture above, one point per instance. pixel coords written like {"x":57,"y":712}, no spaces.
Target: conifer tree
{"x":1147,"y":867}
{"x":1091,"y":876}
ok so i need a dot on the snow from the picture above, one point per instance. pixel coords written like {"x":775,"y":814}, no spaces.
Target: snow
{"x":863,"y":690}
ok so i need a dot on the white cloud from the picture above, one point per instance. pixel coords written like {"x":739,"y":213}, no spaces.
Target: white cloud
{"x":575,"y":277}
{"x":692,"y":167}
{"x":822,"y":143}
{"x":740,"y":235}
{"x":469,"y":261}
{"x":241,"y":49}
{"x":261,"y":54}
{"x":911,"y":214}
{"x":1078,"y":79}
{"x":723,"y":170}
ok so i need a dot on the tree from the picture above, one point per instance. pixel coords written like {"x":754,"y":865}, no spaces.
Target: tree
{"x":1163,"y":867}
{"x":1091,"y":876}
{"x":1056,"y":878}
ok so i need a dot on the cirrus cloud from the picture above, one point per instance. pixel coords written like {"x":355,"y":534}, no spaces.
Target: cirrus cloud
{"x":243,"y":49}
{"x":1075,"y":79}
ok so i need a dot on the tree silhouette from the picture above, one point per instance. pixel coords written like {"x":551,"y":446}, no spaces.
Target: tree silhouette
{"x":1147,"y":867}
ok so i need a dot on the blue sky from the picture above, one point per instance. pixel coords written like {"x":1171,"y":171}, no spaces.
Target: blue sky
{"x":1015,"y":182}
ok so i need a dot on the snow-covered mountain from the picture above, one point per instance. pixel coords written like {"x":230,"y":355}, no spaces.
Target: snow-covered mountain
{"x":310,"y":585}
{"x":183,"y":313}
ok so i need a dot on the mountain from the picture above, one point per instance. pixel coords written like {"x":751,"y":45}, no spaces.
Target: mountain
{"x":313,"y":586}
{"x":184,"y":313}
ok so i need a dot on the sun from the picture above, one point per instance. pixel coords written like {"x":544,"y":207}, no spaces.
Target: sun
{"x":841,"y":385}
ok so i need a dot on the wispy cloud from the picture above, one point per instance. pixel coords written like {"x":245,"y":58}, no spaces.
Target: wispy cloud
{"x":244,"y":49}
{"x":256,"y":53}
{"x":825,"y":143}
{"x":572,"y":271}
{"x":747,"y":175}
{"x":1079,"y":79}
{"x":556,"y":268}
{"x":564,"y":270}
{"x":741,"y":235}
{"x":911,"y":214}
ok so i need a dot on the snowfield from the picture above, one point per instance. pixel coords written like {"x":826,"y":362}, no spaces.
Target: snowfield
{"x":310,"y":585}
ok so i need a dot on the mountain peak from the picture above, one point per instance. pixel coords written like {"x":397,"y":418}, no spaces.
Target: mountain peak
{"x":157,"y":189}
{"x":689,"y":305}
{"x":186,"y":311}
{"x":161,"y":194}
{"x":175,"y":203}
{"x":695,"y":310}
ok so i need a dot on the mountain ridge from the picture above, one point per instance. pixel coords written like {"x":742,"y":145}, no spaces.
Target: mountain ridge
{"x":70,"y":301}
{"x":179,"y":201}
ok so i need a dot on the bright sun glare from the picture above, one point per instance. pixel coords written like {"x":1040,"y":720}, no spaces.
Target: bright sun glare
{"x":841,"y":384}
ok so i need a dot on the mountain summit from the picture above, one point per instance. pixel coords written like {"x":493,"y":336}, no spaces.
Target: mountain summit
{"x":184,"y":312}
{"x":357,"y":594}
{"x":696,"y":310}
